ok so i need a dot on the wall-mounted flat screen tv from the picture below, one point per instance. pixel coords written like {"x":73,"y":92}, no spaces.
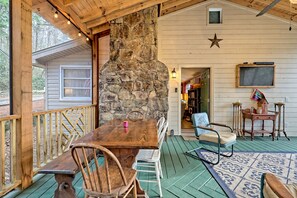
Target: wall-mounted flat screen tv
{"x":251,"y":75}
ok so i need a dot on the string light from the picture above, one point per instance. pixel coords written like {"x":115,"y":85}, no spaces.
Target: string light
{"x":68,"y":18}
{"x":68,"y":22}
{"x":56,"y":15}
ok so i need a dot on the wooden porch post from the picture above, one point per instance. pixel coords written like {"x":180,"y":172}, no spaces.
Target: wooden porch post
{"x":21,"y":17}
{"x":95,"y":69}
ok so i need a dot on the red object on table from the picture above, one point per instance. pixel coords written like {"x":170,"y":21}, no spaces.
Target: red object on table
{"x":125,"y":123}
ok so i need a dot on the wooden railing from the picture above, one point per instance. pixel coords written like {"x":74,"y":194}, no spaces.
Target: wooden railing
{"x":8,"y":155}
{"x":55,"y":130}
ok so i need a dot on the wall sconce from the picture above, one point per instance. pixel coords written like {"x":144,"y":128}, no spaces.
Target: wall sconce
{"x":173,"y":73}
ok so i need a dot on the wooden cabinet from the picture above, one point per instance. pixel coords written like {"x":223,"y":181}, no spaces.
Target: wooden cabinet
{"x":194,"y":104}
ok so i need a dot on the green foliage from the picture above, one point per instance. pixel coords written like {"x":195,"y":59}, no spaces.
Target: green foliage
{"x":44,"y":35}
{"x":4,"y":15}
{"x":38,"y":78}
{"x":4,"y":73}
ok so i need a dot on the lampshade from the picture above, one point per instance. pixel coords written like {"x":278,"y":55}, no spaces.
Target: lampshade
{"x":173,"y":73}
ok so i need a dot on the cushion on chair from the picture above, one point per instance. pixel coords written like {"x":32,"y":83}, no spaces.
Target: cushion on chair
{"x":200,"y":119}
{"x":213,"y":137}
{"x":148,"y":155}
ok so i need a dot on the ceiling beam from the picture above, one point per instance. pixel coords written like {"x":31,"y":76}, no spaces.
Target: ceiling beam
{"x":177,"y":6}
{"x":123,"y":12}
{"x":281,"y":5}
{"x":109,"y":10}
{"x":173,"y":3}
{"x":100,"y":28}
{"x":68,"y":2}
{"x":75,"y":19}
{"x":258,"y":7}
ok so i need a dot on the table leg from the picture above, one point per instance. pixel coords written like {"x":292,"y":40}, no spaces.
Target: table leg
{"x":65,"y":188}
{"x":140,"y":191}
{"x":262,"y":127}
{"x":273,"y":130}
{"x":279,"y":121}
{"x":243,"y":127}
{"x":252,"y":131}
{"x":127,"y":158}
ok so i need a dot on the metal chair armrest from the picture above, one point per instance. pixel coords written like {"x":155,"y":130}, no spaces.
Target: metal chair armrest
{"x":212,"y":130}
{"x":221,"y":125}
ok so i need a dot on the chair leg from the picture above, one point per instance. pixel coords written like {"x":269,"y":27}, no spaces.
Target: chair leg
{"x":189,"y":153}
{"x":160,"y":169}
{"x":135,"y":189}
{"x":158,"y":178}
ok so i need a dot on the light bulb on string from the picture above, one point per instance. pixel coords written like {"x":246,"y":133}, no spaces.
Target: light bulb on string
{"x":56,"y":15}
{"x":87,"y":39}
{"x":79,"y":33}
{"x":68,"y":22}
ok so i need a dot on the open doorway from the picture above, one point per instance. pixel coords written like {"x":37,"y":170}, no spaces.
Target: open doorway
{"x":195,"y":96}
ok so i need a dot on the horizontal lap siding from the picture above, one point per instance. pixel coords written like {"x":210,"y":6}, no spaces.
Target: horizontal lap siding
{"x":53,"y":79}
{"x":183,"y":41}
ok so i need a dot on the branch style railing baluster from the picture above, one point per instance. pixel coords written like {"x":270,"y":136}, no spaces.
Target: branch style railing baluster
{"x":8,"y":154}
{"x":53,"y":133}
{"x":55,"y":130}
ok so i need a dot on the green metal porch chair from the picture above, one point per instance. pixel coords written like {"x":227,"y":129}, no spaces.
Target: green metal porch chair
{"x":212,"y":137}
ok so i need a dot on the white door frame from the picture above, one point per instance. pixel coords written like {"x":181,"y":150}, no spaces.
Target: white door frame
{"x":211,"y":89}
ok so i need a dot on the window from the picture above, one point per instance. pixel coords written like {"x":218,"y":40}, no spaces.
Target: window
{"x":76,"y":83}
{"x":214,"y":15}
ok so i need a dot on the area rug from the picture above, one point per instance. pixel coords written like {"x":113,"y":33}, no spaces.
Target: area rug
{"x":240,"y":175}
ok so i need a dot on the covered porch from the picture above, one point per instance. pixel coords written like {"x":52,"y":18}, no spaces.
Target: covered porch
{"x":36,"y":138}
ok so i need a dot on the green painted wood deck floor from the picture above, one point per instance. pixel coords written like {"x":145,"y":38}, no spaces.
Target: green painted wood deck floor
{"x":183,"y":176}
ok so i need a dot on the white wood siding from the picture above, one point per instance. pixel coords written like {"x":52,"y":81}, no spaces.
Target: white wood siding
{"x":183,"y":42}
{"x":53,"y":79}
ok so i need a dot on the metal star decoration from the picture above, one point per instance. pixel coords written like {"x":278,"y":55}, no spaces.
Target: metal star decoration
{"x":215,"y":41}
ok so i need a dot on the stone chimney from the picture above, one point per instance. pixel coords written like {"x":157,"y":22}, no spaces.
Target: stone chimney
{"x":133,"y":78}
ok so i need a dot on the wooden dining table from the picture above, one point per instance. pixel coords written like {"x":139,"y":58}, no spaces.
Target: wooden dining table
{"x":123,"y":142}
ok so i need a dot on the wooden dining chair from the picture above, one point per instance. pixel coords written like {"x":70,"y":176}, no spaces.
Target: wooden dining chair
{"x":104,"y":176}
{"x":149,"y":159}
{"x":160,"y":124}
{"x":135,"y":115}
{"x":272,"y":187}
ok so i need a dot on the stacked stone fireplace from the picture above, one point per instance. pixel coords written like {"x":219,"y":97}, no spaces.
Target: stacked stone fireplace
{"x":133,"y":79}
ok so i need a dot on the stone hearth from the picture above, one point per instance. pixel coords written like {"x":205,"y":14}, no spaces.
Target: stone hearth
{"x":133,"y":78}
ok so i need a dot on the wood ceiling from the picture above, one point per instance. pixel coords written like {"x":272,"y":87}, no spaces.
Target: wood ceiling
{"x":94,"y":16}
